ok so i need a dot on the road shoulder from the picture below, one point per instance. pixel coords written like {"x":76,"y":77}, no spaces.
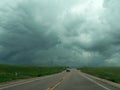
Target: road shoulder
{"x":102,"y":80}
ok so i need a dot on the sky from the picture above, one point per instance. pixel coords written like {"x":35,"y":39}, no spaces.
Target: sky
{"x":60,"y":32}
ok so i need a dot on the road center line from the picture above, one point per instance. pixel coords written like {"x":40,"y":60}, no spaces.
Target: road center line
{"x":94,"y":82}
{"x":57,"y":84}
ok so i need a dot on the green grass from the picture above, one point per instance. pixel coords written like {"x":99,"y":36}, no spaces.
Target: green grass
{"x":109,"y":73}
{"x":9,"y":72}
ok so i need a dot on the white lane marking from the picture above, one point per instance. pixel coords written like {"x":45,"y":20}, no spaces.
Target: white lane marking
{"x":17,"y":84}
{"x":23,"y":82}
{"x":95,"y":82}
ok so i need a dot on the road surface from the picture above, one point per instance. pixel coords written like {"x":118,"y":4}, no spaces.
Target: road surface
{"x":74,"y":80}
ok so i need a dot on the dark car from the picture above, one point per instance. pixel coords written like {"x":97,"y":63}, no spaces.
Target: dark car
{"x":67,"y":70}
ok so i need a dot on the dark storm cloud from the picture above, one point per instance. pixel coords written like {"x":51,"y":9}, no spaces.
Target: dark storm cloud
{"x":22,"y":34}
{"x":60,"y":32}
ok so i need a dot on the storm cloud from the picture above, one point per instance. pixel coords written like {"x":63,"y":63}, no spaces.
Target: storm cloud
{"x":60,"y":32}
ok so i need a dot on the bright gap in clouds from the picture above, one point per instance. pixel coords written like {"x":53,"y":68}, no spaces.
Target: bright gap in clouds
{"x":90,"y":8}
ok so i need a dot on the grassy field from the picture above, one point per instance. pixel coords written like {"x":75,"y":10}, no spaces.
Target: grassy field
{"x":8,"y":72}
{"x":109,"y":73}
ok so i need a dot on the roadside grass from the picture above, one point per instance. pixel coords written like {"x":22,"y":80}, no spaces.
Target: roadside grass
{"x":109,"y":73}
{"x":10,"y":72}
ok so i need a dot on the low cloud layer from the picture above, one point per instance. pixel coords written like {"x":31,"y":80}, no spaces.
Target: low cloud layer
{"x":59,"y":32}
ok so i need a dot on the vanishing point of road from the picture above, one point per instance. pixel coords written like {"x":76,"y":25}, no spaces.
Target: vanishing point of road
{"x":73,"y":80}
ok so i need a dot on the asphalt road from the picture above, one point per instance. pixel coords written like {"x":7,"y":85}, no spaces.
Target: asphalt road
{"x":74,"y":80}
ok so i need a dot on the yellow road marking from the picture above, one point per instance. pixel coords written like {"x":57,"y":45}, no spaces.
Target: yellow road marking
{"x":57,"y":84}
{"x":54,"y":86}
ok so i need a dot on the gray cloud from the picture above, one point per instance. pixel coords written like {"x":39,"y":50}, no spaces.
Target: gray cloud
{"x":76,"y":33}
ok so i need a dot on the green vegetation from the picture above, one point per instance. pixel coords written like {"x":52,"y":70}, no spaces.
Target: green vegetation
{"x":109,"y":73}
{"x":8,"y":72}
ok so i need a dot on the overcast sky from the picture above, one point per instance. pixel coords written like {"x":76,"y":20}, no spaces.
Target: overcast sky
{"x":60,"y":32}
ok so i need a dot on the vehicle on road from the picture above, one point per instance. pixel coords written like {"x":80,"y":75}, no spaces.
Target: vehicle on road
{"x":67,"y":70}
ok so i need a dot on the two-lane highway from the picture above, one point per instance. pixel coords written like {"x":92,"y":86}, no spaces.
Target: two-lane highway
{"x":74,"y":80}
